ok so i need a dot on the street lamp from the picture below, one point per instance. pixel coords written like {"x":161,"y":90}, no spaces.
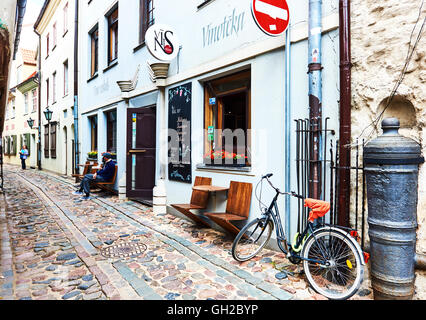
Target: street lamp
{"x":48,"y":114}
{"x":30,"y":122}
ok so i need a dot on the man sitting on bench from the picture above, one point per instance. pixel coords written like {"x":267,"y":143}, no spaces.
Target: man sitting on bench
{"x":103,"y":175}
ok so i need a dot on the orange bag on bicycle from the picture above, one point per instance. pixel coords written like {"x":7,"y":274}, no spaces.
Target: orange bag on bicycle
{"x":319,"y":208}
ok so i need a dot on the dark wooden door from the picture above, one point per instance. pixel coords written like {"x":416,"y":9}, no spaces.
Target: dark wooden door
{"x":140,"y":160}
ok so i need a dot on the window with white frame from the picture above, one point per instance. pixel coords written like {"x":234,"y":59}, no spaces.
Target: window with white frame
{"x":65,"y":77}
{"x":54,"y":87}
{"x":26,"y":103}
{"x":34,"y":99}
{"x":66,"y":18}
{"x":54,"y":36}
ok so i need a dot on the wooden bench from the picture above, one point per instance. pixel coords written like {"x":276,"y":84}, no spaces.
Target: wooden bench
{"x":108,"y":185}
{"x":87,"y":169}
{"x":237,"y":206}
{"x":198,"y":201}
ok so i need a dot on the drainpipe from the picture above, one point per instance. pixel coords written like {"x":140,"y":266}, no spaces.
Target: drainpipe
{"x":20,"y":12}
{"x":76,"y":141}
{"x":287,"y":128}
{"x":345,"y":112}
{"x":315,"y":94}
{"x":39,"y":102}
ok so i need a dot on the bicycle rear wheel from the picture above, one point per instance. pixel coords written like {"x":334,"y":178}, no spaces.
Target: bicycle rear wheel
{"x":251,"y":239}
{"x":342,"y":276}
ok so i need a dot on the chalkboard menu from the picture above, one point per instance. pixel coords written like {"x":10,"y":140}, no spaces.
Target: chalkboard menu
{"x":180,"y":133}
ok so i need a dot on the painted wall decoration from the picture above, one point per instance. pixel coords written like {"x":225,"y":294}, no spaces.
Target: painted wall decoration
{"x":179,"y":153}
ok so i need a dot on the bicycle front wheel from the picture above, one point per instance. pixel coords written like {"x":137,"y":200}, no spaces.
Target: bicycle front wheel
{"x":251,"y":239}
{"x":342,"y":274}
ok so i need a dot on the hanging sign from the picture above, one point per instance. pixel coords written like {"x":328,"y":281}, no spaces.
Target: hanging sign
{"x":271,"y":16}
{"x":162,"y":42}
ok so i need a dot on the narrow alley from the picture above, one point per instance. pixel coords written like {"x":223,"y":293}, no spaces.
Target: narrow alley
{"x":56,"y":247}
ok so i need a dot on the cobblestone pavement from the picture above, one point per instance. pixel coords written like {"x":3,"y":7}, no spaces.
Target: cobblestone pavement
{"x":55,"y":246}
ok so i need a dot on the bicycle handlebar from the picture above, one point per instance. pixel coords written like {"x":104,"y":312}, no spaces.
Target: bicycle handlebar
{"x":292,"y":193}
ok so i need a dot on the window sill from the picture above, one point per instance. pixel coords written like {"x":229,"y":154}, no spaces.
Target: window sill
{"x":92,"y":77}
{"x":111,"y":65}
{"x":138,"y":47}
{"x":202,"y":166}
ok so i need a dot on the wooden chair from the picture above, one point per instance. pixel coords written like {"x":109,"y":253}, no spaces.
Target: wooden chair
{"x":237,"y":206}
{"x":198,"y":201}
{"x":87,"y":169}
{"x":108,"y":185}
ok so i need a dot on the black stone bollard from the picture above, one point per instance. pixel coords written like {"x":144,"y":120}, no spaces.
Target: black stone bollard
{"x":391,"y":164}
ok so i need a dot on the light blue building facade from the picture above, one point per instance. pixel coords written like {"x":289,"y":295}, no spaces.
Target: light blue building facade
{"x":221,"y":48}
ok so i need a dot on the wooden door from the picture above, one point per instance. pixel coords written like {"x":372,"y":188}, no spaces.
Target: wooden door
{"x":140,"y":160}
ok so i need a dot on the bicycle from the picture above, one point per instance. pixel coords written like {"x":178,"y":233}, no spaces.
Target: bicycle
{"x":333,"y":261}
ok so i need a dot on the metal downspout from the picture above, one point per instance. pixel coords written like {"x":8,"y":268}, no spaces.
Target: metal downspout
{"x":39,"y":102}
{"x":345,"y":111}
{"x":315,"y":94}
{"x":287,"y":129}
{"x":76,"y":140}
{"x":20,"y":12}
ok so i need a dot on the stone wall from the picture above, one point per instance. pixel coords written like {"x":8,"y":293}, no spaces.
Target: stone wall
{"x":380,"y":39}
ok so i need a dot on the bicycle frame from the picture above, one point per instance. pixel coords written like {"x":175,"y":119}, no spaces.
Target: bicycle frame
{"x":273,"y":212}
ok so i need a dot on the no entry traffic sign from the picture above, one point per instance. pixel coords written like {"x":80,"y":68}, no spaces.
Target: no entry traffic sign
{"x":272,"y":16}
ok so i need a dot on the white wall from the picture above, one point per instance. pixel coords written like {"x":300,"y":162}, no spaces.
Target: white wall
{"x":198,"y":61}
{"x":54,"y":62}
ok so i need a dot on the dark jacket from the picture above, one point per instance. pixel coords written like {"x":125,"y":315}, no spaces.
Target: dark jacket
{"x":107,"y":172}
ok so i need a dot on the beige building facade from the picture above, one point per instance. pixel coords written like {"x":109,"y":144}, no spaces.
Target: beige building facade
{"x":55,"y":27}
{"x":22,"y":105}
{"x":383,"y":35}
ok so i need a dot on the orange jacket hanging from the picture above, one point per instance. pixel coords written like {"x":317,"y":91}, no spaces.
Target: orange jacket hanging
{"x":319,"y":208}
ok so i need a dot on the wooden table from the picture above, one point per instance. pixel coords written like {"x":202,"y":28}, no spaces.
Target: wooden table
{"x":210,"y":188}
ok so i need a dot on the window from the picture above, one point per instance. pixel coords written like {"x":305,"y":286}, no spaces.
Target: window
{"x":34,"y":99}
{"x":112,"y":35}
{"x":54,"y":36}
{"x":54,"y":87}
{"x":146,"y":17}
{"x":47,"y":45}
{"x":111,"y":118}
{"x":53,"y":139}
{"x":66,"y":18}
{"x":46,"y":141}
{"x":18,"y":74}
{"x":26,"y":103}
{"x":227,"y":120}
{"x":93,"y":121}
{"x":65,"y":77}
{"x":47,"y":92}
{"x":13,"y":108}
{"x":94,"y":38}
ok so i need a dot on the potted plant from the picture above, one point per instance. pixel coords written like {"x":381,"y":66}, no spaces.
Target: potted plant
{"x":92,"y":155}
{"x":222,"y":157}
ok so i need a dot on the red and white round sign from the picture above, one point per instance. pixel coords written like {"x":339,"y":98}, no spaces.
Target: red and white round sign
{"x":272,"y":16}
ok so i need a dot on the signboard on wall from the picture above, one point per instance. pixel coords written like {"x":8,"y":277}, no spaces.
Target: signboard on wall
{"x":271,"y":16}
{"x":162,"y":42}
{"x":179,"y":153}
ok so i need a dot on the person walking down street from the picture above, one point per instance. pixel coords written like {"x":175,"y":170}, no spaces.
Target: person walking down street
{"x":103,"y":175}
{"x":23,"y":154}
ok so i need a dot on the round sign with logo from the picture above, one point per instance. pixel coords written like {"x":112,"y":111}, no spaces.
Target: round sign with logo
{"x":162,"y":42}
{"x":271,"y":16}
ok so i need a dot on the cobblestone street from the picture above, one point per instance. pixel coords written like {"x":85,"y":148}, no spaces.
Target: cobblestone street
{"x":55,"y":246}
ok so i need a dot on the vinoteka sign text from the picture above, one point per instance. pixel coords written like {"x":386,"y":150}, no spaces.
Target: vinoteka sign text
{"x":231,"y":25}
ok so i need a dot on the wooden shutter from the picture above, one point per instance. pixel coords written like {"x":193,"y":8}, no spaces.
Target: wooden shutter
{"x":46,"y":141}
{"x":53,"y":140}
